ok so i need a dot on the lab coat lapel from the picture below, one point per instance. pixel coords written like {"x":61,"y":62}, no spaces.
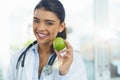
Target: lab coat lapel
{"x":29,"y":66}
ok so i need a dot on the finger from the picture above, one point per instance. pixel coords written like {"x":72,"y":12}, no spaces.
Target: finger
{"x":68,"y":46}
{"x":58,"y":54}
{"x":63,"y":52}
{"x":67,"y":56}
{"x":67,"y":51}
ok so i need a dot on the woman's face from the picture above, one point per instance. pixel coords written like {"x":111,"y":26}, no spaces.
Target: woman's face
{"x":46,"y":26}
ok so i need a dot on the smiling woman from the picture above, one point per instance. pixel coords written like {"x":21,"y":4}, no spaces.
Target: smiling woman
{"x":36,"y":61}
{"x":46,"y":26}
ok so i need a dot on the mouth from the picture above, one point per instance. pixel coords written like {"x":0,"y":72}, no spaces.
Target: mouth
{"x":42,"y":35}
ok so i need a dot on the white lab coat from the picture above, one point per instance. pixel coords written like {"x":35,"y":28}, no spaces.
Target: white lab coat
{"x":30,"y":70}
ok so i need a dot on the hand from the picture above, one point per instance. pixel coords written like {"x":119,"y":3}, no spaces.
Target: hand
{"x":66,"y":59}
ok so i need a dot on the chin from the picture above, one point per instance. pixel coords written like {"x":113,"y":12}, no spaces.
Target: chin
{"x":42,"y":41}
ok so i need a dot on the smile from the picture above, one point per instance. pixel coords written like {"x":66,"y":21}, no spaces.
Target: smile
{"x":41,"y":35}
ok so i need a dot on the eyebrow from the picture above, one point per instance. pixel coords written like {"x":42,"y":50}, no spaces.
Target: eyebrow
{"x":44,"y":20}
{"x":36,"y":18}
{"x":50,"y":20}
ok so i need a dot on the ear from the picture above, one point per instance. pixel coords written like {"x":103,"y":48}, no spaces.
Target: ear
{"x":62,"y":26}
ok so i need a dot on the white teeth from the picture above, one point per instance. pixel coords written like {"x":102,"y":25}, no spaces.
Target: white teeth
{"x":42,"y":35}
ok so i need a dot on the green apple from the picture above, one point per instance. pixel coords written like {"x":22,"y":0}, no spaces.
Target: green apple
{"x":59,"y":43}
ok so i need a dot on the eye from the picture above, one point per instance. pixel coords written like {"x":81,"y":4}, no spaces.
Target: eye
{"x":48,"y":23}
{"x":36,"y":21}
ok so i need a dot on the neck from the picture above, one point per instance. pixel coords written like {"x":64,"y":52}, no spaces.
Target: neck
{"x":42,"y":49}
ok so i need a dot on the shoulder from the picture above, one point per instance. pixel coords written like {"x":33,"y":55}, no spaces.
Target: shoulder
{"x":14,"y":57}
{"x":17,"y":53}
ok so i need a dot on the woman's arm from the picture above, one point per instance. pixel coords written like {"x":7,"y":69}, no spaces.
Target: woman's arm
{"x":77,"y":70}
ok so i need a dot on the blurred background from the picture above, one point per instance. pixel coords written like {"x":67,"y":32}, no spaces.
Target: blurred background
{"x":93,"y":30}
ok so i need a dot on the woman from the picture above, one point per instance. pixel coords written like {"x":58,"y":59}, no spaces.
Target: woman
{"x":40,"y":61}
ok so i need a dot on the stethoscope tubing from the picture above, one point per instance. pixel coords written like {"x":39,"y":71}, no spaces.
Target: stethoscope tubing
{"x":25,"y":52}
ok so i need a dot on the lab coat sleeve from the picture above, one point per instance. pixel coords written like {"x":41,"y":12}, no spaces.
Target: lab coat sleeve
{"x":11,"y":72}
{"x":77,"y":70}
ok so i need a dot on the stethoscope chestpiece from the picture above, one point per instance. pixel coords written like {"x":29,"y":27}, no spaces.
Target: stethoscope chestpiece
{"x":47,"y":70}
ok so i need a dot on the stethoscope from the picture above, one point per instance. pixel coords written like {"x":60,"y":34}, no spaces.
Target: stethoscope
{"x":47,"y":69}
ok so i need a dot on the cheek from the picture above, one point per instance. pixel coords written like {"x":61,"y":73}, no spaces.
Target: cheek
{"x":34,"y":27}
{"x":54,"y":32}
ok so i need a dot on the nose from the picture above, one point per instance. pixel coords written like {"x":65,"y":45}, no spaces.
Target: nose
{"x":41,"y":26}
